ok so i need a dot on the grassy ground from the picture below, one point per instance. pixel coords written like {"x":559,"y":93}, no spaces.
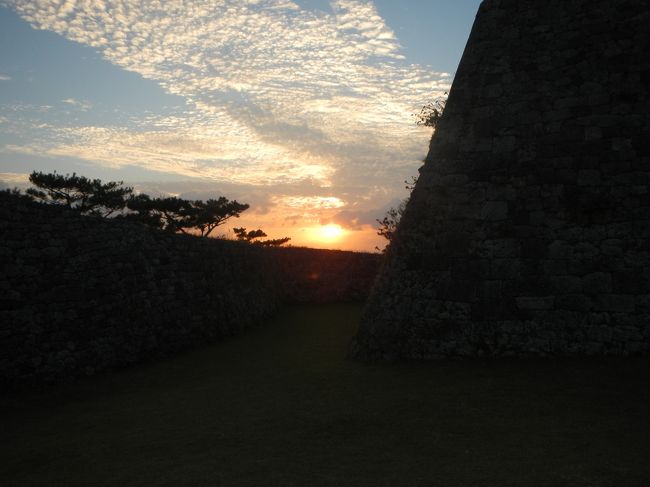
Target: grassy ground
{"x":283,"y":406}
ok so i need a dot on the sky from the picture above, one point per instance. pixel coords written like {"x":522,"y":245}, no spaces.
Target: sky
{"x":301,"y":108}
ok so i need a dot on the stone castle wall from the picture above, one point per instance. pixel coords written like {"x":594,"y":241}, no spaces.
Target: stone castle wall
{"x":528,"y":231}
{"x":82,"y":294}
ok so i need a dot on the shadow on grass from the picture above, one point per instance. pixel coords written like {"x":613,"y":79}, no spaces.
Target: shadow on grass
{"x":283,"y":406}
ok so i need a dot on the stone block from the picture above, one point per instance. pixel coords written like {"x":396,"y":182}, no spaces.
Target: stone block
{"x":535,"y":302}
{"x":630,"y":281}
{"x":529,"y":118}
{"x":494,"y":211}
{"x":476,"y":269}
{"x":457,"y":290}
{"x":559,"y":249}
{"x":533,"y":248}
{"x":504,"y":144}
{"x":615,"y":303}
{"x":494,"y":91}
{"x":531,"y":269}
{"x":588,"y":177}
{"x":539,"y":218}
{"x":626,"y":334}
{"x":450,"y":180}
{"x":483,"y":144}
{"x":501,"y":193}
{"x":505,"y":268}
{"x":504,"y":247}
{"x":597,"y":283}
{"x":574,"y":302}
{"x":585,"y":250}
{"x":566,"y":284}
{"x":534,"y":203}
{"x":643,"y":302}
{"x":491,"y":290}
{"x":600,"y":333}
{"x":612,"y":247}
{"x":554,"y":267}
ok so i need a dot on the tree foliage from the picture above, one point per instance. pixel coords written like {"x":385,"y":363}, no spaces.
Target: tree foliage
{"x":213,"y":213}
{"x":171,"y":214}
{"x":249,"y":236}
{"x":388,"y":224}
{"x":430,"y":113}
{"x":174,"y":214}
{"x":252,"y":236}
{"x":88,"y":196}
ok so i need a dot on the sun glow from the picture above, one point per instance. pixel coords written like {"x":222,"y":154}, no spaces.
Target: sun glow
{"x":329,"y":233}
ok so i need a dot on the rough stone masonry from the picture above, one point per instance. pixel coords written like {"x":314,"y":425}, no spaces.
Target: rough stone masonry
{"x":82,"y":294}
{"x":528,"y":232}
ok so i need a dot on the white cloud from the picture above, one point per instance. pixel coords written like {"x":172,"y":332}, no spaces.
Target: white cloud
{"x":84,"y":106}
{"x":4,"y":77}
{"x":14,"y":179}
{"x":278,"y":94}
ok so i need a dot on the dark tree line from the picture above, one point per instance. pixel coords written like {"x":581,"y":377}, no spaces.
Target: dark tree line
{"x":113,"y":199}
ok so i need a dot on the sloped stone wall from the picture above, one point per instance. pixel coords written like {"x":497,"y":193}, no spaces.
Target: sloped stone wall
{"x":82,"y":294}
{"x":528,"y":231}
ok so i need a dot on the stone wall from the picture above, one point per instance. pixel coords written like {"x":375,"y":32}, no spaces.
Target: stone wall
{"x":528,"y":231}
{"x":307,"y":275}
{"x":82,"y":294}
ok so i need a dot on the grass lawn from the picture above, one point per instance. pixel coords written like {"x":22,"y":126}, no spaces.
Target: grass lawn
{"x":283,"y":406}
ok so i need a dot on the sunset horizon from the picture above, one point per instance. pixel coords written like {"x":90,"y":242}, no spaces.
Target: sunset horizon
{"x":303,"y":110}
{"x":325,"y":243}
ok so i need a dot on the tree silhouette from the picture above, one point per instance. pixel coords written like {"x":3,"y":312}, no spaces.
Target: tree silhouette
{"x":170,"y":213}
{"x":252,"y":235}
{"x":88,"y":196}
{"x":174,"y":214}
{"x":388,"y":224}
{"x":430,"y":113}
{"x":213,"y":213}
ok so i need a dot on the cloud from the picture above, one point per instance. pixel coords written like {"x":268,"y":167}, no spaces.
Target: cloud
{"x":84,"y":106}
{"x":12,"y":179}
{"x":4,"y":77}
{"x":277,"y":95}
{"x":187,"y":152}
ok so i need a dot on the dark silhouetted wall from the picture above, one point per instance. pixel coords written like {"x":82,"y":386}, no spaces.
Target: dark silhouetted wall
{"x":83,"y":294}
{"x":528,"y":232}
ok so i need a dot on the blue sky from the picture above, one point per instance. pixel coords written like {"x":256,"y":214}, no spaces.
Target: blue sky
{"x":301,"y":108}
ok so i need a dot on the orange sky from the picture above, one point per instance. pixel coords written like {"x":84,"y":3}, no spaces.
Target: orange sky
{"x":330,"y":236}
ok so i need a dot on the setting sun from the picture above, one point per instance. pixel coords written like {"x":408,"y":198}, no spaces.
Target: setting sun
{"x":329,"y":233}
